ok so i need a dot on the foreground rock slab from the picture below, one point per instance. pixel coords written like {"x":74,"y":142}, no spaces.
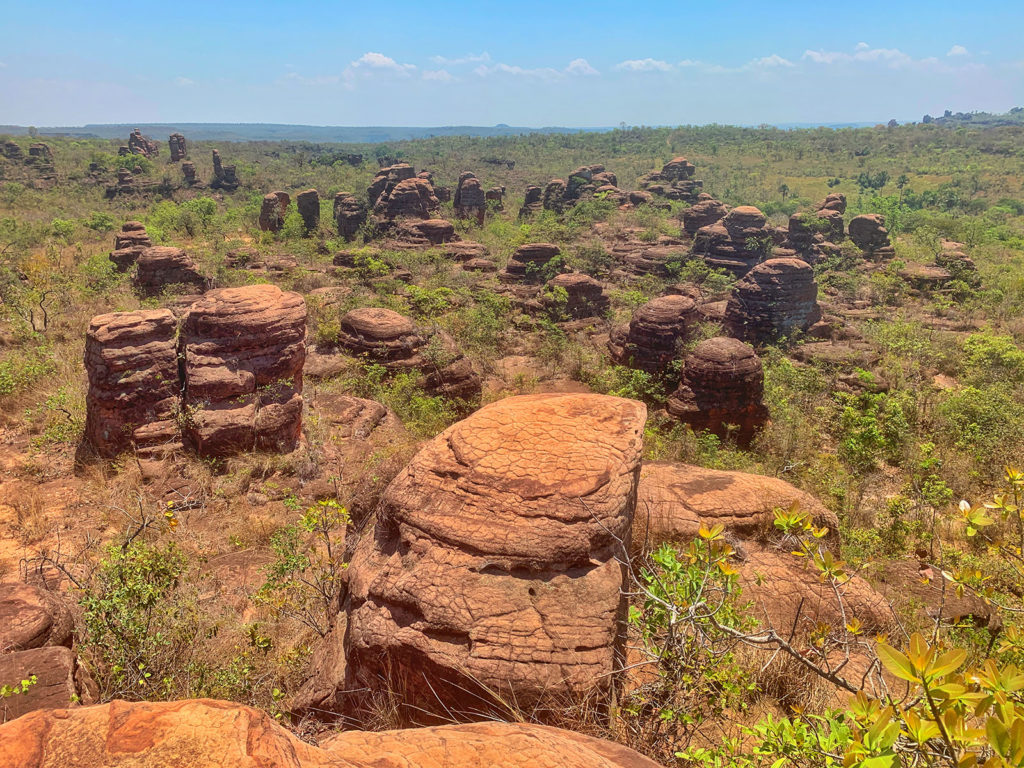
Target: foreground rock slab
{"x":202,"y":733}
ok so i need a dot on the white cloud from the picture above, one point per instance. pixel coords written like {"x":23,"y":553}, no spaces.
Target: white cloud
{"x":379,"y":61}
{"x":184,"y":82}
{"x":581,"y":67}
{"x":644,"y":65}
{"x":440,"y":75}
{"x":957,"y":50}
{"x":509,"y":69}
{"x":469,"y":58}
{"x":772,"y":61}
{"x":296,"y":79}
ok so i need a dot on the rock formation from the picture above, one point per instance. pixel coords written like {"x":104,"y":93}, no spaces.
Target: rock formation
{"x":159,"y":268}
{"x":225,"y":177}
{"x":412,"y":198}
{"x":675,"y":181}
{"x":131,"y":359}
{"x":736,"y":242}
{"x":349,"y":214}
{"x":470,"y":201}
{"x":777,"y":298}
{"x":722,"y":386}
{"x":868,"y":233}
{"x":203,"y":733}
{"x":653,"y":260}
{"x":533,"y":263}
{"x":39,"y":166}
{"x":832,"y":210}
{"x":308,"y":204}
{"x":652,"y":338}
{"x":142,"y":145}
{"x":495,"y":196}
{"x":426,"y":233}
{"x":493,"y":561}
{"x":12,"y":150}
{"x":385,"y":181}
{"x":243,"y":351}
{"x":178,"y":148}
{"x":274,"y":209}
{"x":584,"y":296}
{"x":188,"y":171}
{"x":129,"y":244}
{"x":391,"y":340}
{"x":35,"y":641}
{"x":532,"y":202}
{"x":703,"y":213}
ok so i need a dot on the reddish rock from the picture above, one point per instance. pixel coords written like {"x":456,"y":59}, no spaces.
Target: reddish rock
{"x":349,"y":214}
{"x":32,"y":617}
{"x":479,"y":265}
{"x":675,"y":181}
{"x":532,"y":262}
{"x":737,"y":242}
{"x":132,"y":363}
{"x":308,"y":205}
{"x":243,"y":351}
{"x":464,"y":251}
{"x":493,"y":560}
{"x":428,"y":232}
{"x":868,"y":233}
{"x":160,"y":268}
{"x":722,"y":386}
{"x":553,"y":198}
{"x":832,"y":210}
{"x":413,"y":198}
{"x":470,"y":201}
{"x":272,"y":212}
{"x":129,"y":244}
{"x":142,"y":145}
{"x":385,"y":181}
{"x":178,"y":148}
{"x":652,"y":339}
{"x":224,"y":176}
{"x":60,"y":682}
{"x":678,"y":169}
{"x":495,"y":196}
{"x":705,"y":212}
{"x":202,"y":733}
{"x":584,"y":295}
{"x":532,"y":202}
{"x":654,"y":260}
{"x":776,"y":299}
{"x":188,"y":172}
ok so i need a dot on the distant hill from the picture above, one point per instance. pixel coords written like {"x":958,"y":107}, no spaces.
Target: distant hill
{"x":1014,"y":117}
{"x":281,"y":132}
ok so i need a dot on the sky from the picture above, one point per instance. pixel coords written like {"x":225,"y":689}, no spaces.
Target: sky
{"x":523,"y":63}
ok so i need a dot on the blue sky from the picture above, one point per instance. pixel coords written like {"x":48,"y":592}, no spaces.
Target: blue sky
{"x":523,"y":63}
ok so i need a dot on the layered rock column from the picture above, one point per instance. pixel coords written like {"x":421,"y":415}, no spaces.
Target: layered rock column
{"x":492,"y":565}
{"x":775,"y":299}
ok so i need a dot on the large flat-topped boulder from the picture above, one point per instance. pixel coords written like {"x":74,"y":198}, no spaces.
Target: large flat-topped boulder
{"x":493,"y":560}
{"x":777,"y":298}
{"x":162,"y":267}
{"x":705,"y":212}
{"x":380,"y":333}
{"x":202,"y":733}
{"x":131,"y":359}
{"x":674,"y":500}
{"x":243,"y":354}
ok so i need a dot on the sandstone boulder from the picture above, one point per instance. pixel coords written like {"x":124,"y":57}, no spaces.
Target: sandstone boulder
{"x":132,"y":363}
{"x":868,"y":233}
{"x":584,"y":296}
{"x":129,"y":244}
{"x":32,"y":617}
{"x":737,"y":242}
{"x":492,"y":564}
{"x":308,"y":205}
{"x":243,"y":351}
{"x":142,"y":145}
{"x":349,"y":214}
{"x":385,"y":181}
{"x":60,"y":682}
{"x":652,"y":338}
{"x":721,"y":390}
{"x":178,"y":148}
{"x":532,"y":262}
{"x":532,"y":202}
{"x":412,"y":197}
{"x":272,"y":212}
{"x":470,"y":201}
{"x":202,"y":733}
{"x":161,"y":267}
{"x":705,"y":212}
{"x":224,"y":176}
{"x":776,"y":299}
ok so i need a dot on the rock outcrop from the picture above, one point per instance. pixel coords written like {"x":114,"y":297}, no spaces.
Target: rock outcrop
{"x":703,"y":213}
{"x":160,"y":268}
{"x":721,"y":390}
{"x":308,"y":205}
{"x":32,"y":617}
{"x":243,"y":351}
{"x":225,"y":177}
{"x":142,"y":145}
{"x":131,"y":359}
{"x":391,"y":340}
{"x":178,"y":148}
{"x":776,"y":299}
{"x":832,"y":210}
{"x":470,"y":201}
{"x":736,"y":242}
{"x":533,"y":263}
{"x":652,"y":339}
{"x":188,"y":172}
{"x":129,"y":244}
{"x":868,"y":233}
{"x":202,"y":733}
{"x":584,"y":296}
{"x":533,"y":201}
{"x":413,"y":197}
{"x":675,"y":181}
{"x":493,"y":566}
{"x":274,"y":209}
{"x":349,"y":214}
